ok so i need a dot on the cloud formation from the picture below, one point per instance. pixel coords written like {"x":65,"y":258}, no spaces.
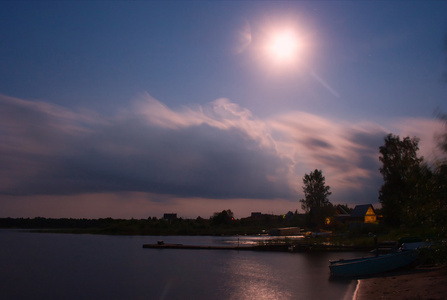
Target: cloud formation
{"x":218,"y":151}
{"x":49,"y":150}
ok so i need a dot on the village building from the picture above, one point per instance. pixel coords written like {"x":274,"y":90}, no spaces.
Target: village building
{"x":170,"y":216}
{"x":256,"y":214}
{"x":364,"y":214}
{"x":341,"y":215}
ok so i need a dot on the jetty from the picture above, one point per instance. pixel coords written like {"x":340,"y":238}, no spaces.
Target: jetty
{"x":299,"y":247}
{"x":197,"y":247}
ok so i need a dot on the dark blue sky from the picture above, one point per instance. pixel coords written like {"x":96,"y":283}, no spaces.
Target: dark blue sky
{"x":176,"y":106}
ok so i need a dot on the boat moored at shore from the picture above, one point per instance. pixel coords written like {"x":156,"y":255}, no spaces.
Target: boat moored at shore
{"x":372,"y":265}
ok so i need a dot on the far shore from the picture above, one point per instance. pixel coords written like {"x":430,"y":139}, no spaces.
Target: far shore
{"x":419,"y":283}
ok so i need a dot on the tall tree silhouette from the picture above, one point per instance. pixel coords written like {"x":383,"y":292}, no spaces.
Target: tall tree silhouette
{"x":401,"y":170}
{"x":316,"y":203}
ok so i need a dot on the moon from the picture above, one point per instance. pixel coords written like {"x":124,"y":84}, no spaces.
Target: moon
{"x":283,"y":46}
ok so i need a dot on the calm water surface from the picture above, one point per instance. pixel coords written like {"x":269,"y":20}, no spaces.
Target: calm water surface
{"x":67,"y":266}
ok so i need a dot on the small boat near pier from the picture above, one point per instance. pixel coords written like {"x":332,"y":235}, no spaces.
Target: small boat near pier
{"x":372,"y":265}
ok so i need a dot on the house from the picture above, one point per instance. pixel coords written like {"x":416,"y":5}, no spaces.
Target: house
{"x":341,"y":211}
{"x":364,"y":213}
{"x":341,"y":214}
{"x":256,"y":214}
{"x":288,"y":216}
{"x":170,"y":216}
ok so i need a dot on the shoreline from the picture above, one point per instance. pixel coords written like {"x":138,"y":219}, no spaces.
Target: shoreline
{"x":357,"y":288}
{"x":423,"y":283}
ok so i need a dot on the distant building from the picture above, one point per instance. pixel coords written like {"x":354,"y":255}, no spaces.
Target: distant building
{"x":256,"y":214}
{"x":364,"y":213}
{"x":170,"y":216}
{"x":288,"y":216}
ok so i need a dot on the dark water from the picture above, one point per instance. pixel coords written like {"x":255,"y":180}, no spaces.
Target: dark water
{"x":66,"y":266}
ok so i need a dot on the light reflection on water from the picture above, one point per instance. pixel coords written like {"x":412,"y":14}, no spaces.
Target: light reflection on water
{"x":277,"y":275}
{"x":254,"y":279}
{"x":255,"y":240}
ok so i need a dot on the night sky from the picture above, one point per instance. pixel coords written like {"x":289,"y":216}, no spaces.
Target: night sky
{"x":134,"y":109}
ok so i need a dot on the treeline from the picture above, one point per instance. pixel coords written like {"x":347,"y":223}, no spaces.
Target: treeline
{"x":221,"y":223}
{"x":414,"y":192}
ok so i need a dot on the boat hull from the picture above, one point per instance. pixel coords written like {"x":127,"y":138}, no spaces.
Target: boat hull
{"x":372,"y":265}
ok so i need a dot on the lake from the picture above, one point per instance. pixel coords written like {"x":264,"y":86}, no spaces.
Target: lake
{"x":69,"y":266}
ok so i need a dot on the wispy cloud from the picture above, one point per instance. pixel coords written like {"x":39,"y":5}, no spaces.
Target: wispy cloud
{"x":244,"y":38}
{"x":217,"y":151}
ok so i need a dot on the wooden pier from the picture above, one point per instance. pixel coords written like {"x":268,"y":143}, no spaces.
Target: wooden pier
{"x":197,"y":247}
{"x":266,"y":247}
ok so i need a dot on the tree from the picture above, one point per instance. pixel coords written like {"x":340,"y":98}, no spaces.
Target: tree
{"x":439,"y":197}
{"x":442,"y":138}
{"x":224,"y":217}
{"x":403,"y":176}
{"x":316,"y":203}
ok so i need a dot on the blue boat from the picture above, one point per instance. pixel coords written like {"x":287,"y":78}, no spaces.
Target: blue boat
{"x":372,"y":265}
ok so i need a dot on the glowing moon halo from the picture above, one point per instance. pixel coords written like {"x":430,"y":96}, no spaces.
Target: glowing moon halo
{"x":283,"y":46}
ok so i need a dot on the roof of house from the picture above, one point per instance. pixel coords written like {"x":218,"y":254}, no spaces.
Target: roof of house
{"x":341,"y":210}
{"x":361,"y":210}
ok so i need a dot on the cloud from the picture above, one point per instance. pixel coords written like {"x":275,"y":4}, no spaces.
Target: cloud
{"x":216,"y":151}
{"x":149,"y":149}
{"x":427,"y":130}
{"x":346,"y":153}
{"x":244,"y":38}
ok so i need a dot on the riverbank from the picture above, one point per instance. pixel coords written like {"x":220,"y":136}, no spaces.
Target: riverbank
{"x":428,"y":283}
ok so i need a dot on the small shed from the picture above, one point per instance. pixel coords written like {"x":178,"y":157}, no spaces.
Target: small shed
{"x":364,"y":213}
